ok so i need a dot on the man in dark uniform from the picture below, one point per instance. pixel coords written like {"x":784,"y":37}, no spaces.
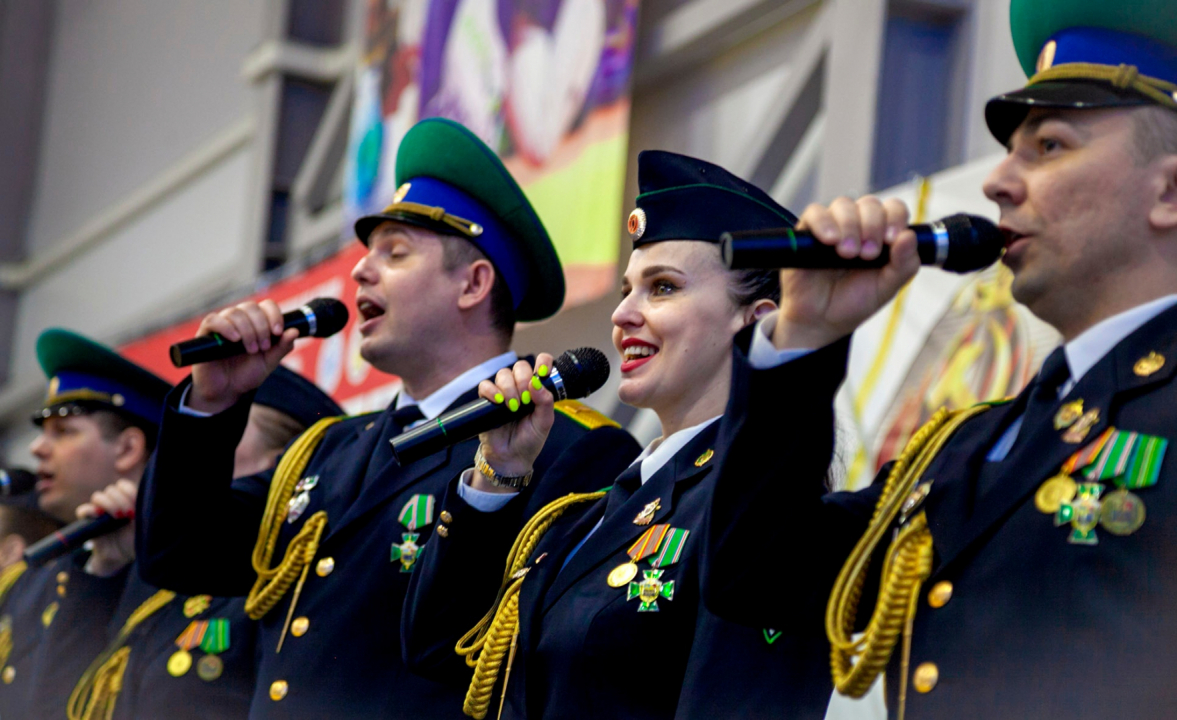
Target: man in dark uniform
{"x":179,"y":656}
{"x":98,"y":426}
{"x":452,"y":263}
{"x":1023,"y":577}
{"x":608,"y":609}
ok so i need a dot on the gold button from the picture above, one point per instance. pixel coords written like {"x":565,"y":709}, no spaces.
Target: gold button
{"x":940,"y":594}
{"x":446,"y":517}
{"x":62,"y":577}
{"x":925,"y":677}
{"x":300,"y":626}
{"x":278,"y":690}
{"x":325,"y":567}
{"x":61,"y":591}
{"x":443,"y":531}
{"x":8,"y":675}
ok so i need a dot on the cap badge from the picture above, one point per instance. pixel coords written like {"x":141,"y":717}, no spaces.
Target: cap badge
{"x":637,"y":223}
{"x":401,"y":192}
{"x":54,"y":384}
{"x":1046,"y":57}
{"x":1149,"y":364}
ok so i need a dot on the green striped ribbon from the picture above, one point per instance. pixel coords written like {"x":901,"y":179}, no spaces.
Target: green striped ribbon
{"x":1145,"y":466}
{"x":216,"y":639}
{"x":671,"y":550}
{"x":1113,"y":460}
{"x":417,"y":512}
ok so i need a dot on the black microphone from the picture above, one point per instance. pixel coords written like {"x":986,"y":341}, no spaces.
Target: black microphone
{"x":15,"y":481}
{"x":575,"y":374}
{"x":958,"y":243}
{"x":71,"y":537}
{"x":321,"y":317}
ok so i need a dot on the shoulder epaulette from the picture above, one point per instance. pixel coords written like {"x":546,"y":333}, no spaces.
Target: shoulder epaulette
{"x":584,"y":415}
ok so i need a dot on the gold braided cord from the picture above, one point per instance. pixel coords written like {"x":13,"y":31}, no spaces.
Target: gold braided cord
{"x":95,"y":694}
{"x":273,"y":582}
{"x":8,"y":578}
{"x":485,"y":645}
{"x":856,"y":663}
{"x":1124,"y":77}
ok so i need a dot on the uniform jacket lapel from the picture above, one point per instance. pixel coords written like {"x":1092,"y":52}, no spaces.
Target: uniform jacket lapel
{"x":619,"y":530}
{"x":1040,"y":451}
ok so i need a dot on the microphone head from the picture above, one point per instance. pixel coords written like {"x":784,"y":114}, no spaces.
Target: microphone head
{"x":330,"y":316}
{"x":584,"y":370}
{"x":974,"y":243}
{"x":16,"y":481}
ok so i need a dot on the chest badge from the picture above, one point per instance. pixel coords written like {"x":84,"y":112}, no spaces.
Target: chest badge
{"x":415,"y":515}
{"x":1068,"y":414}
{"x":650,"y":590}
{"x":302,"y":498}
{"x":1077,"y":432}
{"x":646,"y":516}
{"x":196,"y":604}
{"x":1149,"y":364}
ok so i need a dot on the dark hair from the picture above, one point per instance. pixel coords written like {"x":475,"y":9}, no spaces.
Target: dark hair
{"x":1156,"y":132}
{"x":458,"y":251}
{"x":112,"y":423}
{"x":747,"y":286}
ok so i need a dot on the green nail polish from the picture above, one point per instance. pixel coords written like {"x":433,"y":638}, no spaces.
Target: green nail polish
{"x":498,"y":397}
{"x":526,"y":397}
{"x":513,"y":404}
{"x":543,"y":370}
{"x":535,"y":383}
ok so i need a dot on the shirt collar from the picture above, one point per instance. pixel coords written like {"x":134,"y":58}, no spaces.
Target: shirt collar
{"x":1097,"y":341}
{"x":442,"y":398}
{"x":659,"y":452}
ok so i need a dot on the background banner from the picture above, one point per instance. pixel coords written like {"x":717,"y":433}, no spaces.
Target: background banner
{"x":545,"y":83}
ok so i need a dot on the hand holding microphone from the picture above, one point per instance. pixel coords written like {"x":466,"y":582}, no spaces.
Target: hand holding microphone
{"x":105,"y":521}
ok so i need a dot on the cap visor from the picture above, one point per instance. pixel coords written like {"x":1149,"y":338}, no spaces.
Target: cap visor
{"x":1005,"y":113}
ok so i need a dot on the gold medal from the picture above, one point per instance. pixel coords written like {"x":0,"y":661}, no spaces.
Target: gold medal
{"x":209,"y":667}
{"x":1121,"y":513}
{"x":1053,"y":493}
{"x":622,"y":574}
{"x":179,"y":663}
{"x":1068,"y":414}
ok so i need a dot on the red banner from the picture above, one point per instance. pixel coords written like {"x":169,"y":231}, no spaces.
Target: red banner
{"x":334,"y":363}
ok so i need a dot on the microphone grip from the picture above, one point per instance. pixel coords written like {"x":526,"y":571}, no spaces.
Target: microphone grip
{"x":804,"y":252}
{"x":70,"y":538}
{"x":207,"y":348}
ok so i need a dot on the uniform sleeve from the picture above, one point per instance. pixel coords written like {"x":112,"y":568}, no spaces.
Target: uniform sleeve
{"x":460,"y":572}
{"x":196,"y":526}
{"x":776,"y":538}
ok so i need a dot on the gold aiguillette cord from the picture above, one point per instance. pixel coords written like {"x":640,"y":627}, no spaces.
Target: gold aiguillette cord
{"x":293,"y":601}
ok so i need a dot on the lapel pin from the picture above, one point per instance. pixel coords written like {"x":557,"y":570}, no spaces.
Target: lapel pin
{"x":702,"y":459}
{"x":646,"y":516}
{"x":1068,"y":414}
{"x":1078,"y":431}
{"x":1149,"y":364}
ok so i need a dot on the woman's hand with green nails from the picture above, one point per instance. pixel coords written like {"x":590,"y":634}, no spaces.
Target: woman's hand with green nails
{"x":513,"y":448}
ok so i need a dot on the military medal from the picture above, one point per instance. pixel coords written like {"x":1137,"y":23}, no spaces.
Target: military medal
{"x":645,"y":546}
{"x":196,"y":604}
{"x":1068,"y":414}
{"x":1083,"y":514}
{"x":1053,"y":493}
{"x":407,"y":551}
{"x":1122,"y":513}
{"x":1078,"y":430}
{"x":302,"y":498}
{"x":650,"y":589}
{"x":181,"y":661}
{"x":214,"y":642}
{"x":646,"y":516}
{"x":416,"y":514}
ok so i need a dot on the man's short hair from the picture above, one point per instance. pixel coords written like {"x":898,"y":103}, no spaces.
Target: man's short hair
{"x":1156,"y":133}
{"x":456,"y":252}
{"x":111,"y":424}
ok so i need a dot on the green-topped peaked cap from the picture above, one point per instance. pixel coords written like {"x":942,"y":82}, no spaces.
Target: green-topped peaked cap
{"x":451,"y":182}
{"x":1089,"y":54}
{"x":84,"y":374}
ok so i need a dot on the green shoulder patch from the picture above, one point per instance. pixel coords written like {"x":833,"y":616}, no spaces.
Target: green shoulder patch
{"x":584,"y":415}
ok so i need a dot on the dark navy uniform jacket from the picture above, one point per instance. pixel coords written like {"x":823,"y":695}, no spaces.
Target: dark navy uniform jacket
{"x":1035,"y":627}
{"x":59,"y":617}
{"x":197,"y":530}
{"x":584,"y":649}
{"x":150,"y":691}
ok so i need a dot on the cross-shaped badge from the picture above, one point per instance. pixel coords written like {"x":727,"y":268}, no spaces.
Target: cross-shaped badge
{"x":650,"y":589}
{"x":407,"y":551}
{"x":1082,"y":513}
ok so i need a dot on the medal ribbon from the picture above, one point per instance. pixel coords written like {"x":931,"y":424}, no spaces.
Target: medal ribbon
{"x":1145,"y":466}
{"x":193,"y":635}
{"x":216,"y":639}
{"x":1132,"y":459}
{"x":1087,"y":454}
{"x":417,"y":512}
{"x":649,"y":541}
{"x":671,"y":548}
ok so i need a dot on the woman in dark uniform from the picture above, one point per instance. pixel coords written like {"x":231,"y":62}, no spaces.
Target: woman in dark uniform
{"x":599,"y":613}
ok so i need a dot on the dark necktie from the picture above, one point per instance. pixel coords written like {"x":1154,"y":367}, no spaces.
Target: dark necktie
{"x":406,"y":416}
